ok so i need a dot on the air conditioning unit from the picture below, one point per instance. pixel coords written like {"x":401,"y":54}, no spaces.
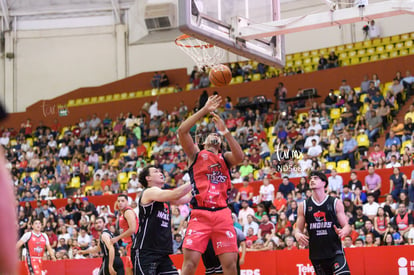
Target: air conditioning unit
{"x":161,"y":16}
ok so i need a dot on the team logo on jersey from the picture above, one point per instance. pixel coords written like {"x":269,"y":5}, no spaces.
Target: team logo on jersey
{"x":336,"y":265}
{"x":229,"y":234}
{"x":166,"y":208}
{"x":215,"y":176}
{"x":320,"y":216}
{"x":38,"y":249}
{"x":204,"y":156}
{"x":310,"y":208}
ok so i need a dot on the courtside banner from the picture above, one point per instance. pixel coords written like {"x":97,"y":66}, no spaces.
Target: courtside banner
{"x":395,"y":260}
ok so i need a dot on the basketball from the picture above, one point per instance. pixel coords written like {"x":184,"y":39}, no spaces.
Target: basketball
{"x":220,"y":75}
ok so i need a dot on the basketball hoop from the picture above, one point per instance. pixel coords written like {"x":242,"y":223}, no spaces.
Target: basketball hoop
{"x":203,"y":54}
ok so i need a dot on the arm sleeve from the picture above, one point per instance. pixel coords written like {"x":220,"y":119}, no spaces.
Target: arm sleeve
{"x":47,"y":238}
{"x":26,"y":237}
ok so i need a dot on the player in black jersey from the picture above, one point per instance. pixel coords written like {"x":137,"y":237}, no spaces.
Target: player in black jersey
{"x":111,"y":261}
{"x":153,"y":243}
{"x":326,"y":225}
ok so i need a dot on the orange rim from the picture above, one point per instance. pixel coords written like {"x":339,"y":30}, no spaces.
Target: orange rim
{"x":184,"y":37}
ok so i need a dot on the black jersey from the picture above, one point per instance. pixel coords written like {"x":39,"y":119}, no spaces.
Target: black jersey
{"x":104,"y":249}
{"x":320,"y":218}
{"x":154,"y":234}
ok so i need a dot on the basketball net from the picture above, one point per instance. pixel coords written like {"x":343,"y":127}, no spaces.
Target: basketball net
{"x":204,"y":54}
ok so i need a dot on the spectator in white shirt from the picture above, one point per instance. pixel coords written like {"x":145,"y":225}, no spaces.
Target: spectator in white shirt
{"x":245,"y":211}
{"x":315,"y":126}
{"x":250,"y":224}
{"x":335,"y":183}
{"x":311,"y":136}
{"x":84,"y":240}
{"x":4,"y":140}
{"x":393,"y":163}
{"x":315,"y":150}
{"x":267,"y":193}
{"x":370,"y":208}
{"x":64,"y":151}
{"x":374,"y":30}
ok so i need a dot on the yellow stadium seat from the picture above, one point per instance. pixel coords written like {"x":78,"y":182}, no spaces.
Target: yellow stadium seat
{"x":361,"y":52}
{"x":298,"y":62}
{"x":345,"y":62}
{"x":301,"y":117}
{"x":132,"y":94}
{"x":307,"y":61}
{"x":367,"y":43}
{"x":78,"y":101}
{"x":308,"y":69}
{"x":335,"y":113}
{"x":385,"y":40}
{"x":384,"y":56}
{"x":343,"y":166}
{"x":405,"y":36}
{"x":330,"y":165}
{"x":404,"y":52}
{"x":256,"y":174}
{"x":340,"y":48}
{"x":354,"y":60}
{"x":358,"y":45}
{"x":289,"y":64}
{"x":314,"y":53}
{"x":139,"y":93}
{"x":349,"y":46}
{"x":403,"y":145}
{"x":343,"y":55}
{"x":75,"y":182}
{"x":315,"y":60}
{"x":163,"y":90}
{"x":357,"y":89}
{"x":109,"y":97}
{"x":395,"y":38}
{"x":352,"y":53}
{"x":154,"y":92}
{"x":86,"y":100}
{"x":329,"y":132}
{"x":256,"y":77}
{"x":412,"y":50}
{"x":323,"y":51}
{"x":399,"y":46}
{"x":289,"y":57}
{"x":376,"y":41}
{"x":393,"y":54}
{"x":363,"y":141}
{"x":88,"y":188}
{"x":337,"y":92}
{"x":122,"y":178}
{"x":34,"y":175}
{"x":148,"y":92}
{"x":124,"y":96}
{"x":408,"y":43}
{"x":305,"y":54}
{"x":389,"y":47}
{"x":238,"y":79}
{"x":94,"y":99}
{"x":364,"y":108}
{"x":121,"y":142}
{"x":29,"y":141}
{"x":170,"y":90}
{"x":364,"y":59}
{"x":370,"y":51}
{"x":13,"y":142}
{"x":131,"y":173}
{"x":373,"y":57}
{"x":296,"y":56}
{"x":379,"y":49}
{"x":71,"y":102}
{"x":101,"y":98}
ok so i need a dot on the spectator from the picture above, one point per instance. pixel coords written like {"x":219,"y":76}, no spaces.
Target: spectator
{"x":374,"y":30}
{"x":345,"y":87}
{"x":315,"y":150}
{"x":323,"y":63}
{"x":286,"y":187}
{"x":266,"y":228}
{"x":332,"y":60}
{"x":403,"y":220}
{"x":335,"y":183}
{"x":374,"y":126}
{"x":280,"y":94}
{"x":251,"y":224}
{"x":244,"y":212}
{"x":398,"y":183}
{"x":373,"y":183}
{"x":359,"y":219}
{"x":84,"y":240}
{"x":376,"y":155}
{"x":164,"y":82}
{"x":267,"y":193}
{"x":381,"y":221}
{"x":370,"y":208}
{"x":349,"y":148}
{"x":245,"y":192}
{"x":246,"y":168}
{"x":393,"y":163}
{"x":156,"y":80}
{"x":364,"y":84}
{"x":354,"y":182}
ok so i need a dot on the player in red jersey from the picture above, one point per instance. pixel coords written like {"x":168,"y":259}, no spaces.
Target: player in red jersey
{"x":210,"y":178}
{"x":128,"y":223}
{"x":35,"y":243}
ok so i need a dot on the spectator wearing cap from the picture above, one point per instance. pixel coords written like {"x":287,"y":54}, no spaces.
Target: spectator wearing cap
{"x":53,"y":239}
{"x":349,"y":148}
{"x":335,"y":182}
{"x":373,"y":182}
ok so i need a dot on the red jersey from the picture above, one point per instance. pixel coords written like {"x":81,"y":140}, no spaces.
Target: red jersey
{"x":35,"y":244}
{"x":123,"y":224}
{"x":210,"y":178}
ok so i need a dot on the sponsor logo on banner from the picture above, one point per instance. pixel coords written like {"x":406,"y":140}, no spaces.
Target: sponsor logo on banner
{"x":405,"y":267}
{"x":305,"y":269}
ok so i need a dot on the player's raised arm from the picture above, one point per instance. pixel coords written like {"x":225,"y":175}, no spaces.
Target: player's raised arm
{"x":157,"y":194}
{"x":183,"y":131}
{"x":106,"y":238}
{"x":236,"y":155}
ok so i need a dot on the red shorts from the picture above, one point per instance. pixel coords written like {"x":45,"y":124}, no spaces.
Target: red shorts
{"x":215,"y":225}
{"x":128,"y":263}
{"x":34,"y":264}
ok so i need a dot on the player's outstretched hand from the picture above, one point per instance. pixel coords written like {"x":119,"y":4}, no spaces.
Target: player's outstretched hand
{"x":114,"y":240}
{"x":112,"y":271}
{"x":218,"y":122}
{"x":341,"y":233}
{"x":213,"y":103}
{"x":302,"y":239}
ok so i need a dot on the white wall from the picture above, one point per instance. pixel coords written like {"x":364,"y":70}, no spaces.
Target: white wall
{"x":51,"y":63}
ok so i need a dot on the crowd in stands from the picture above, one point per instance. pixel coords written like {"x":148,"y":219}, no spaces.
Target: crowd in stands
{"x":283,"y":143}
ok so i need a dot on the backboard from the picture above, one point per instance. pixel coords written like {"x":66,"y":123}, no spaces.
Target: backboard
{"x":217,"y":22}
